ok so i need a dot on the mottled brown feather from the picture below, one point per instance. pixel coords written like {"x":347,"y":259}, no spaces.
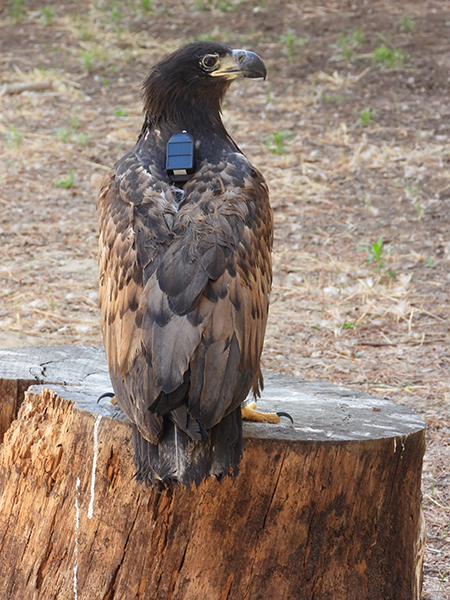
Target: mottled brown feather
{"x":185,"y":279}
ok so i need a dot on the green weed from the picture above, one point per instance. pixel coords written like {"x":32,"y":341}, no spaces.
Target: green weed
{"x":115,"y":14}
{"x":347,"y":44}
{"x":331,"y":98}
{"x":366,"y":117}
{"x":17,"y":9}
{"x":13,"y":137}
{"x":51,"y":300}
{"x":407,"y":24}
{"x":66,"y":183}
{"x":275,"y":142}
{"x":388,"y":58}
{"x":63,"y":134}
{"x":72,"y":133}
{"x":376,"y":256}
{"x":146,"y":6}
{"x":75,"y":123}
{"x":120,"y":112}
{"x":292,"y":44}
{"x":226,"y":6}
{"x":88,"y":60}
{"x":82,"y":138}
{"x":46,"y":15}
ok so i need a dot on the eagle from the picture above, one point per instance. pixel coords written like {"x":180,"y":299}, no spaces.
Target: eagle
{"x":185,"y":272}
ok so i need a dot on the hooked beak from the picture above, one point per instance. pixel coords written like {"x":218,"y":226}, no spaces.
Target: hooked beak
{"x":241,"y":63}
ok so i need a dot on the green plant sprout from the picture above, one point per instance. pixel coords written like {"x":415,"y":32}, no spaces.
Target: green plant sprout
{"x":88,"y":60}
{"x":51,"y":299}
{"x":346,"y":44}
{"x":291,"y":44}
{"x":66,"y":183}
{"x":366,"y":117}
{"x":63,"y":134}
{"x":46,"y":15}
{"x":73,"y":133}
{"x":145,"y":6}
{"x":75,"y":122}
{"x":408,"y":24}
{"x":82,"y":138}
{"x":17,"y":9}
{"x":121,"y":112}
{"x":331,"y":98}
{"x":376,"y":256}
{"x":275,"y":142}
{"x":115,"y":15}
{"x":390,"y":59}
{"x":13,"y":137}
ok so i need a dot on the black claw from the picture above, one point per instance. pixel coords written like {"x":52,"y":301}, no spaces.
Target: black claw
{"x":105,"y":395}
{"x":284,"y":414}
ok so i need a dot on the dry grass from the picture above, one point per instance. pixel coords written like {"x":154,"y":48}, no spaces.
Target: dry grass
{"x":336,"y":188}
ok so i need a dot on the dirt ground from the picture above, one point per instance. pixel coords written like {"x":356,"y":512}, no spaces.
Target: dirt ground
{"x":351,"y":130}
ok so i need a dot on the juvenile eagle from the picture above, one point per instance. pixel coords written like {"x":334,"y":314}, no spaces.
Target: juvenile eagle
{"x":185,"y":272}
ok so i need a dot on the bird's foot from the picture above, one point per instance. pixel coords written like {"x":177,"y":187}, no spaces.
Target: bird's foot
{"x":250,"y":414}
{"x":109,"y":395}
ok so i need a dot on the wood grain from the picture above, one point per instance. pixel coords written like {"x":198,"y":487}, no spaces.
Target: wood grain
{"x":326,"y":508}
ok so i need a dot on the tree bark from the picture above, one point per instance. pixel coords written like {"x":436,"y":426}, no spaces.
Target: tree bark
{"x":327,"y":508}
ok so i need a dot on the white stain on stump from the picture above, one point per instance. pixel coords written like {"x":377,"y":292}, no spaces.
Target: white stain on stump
{"x":94,"y":467}
{"x":77,"y":527}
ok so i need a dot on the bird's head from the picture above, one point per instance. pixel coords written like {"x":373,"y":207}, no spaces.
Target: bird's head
{"x":194,"y":79}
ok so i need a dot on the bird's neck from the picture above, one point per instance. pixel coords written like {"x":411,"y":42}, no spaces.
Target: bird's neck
{"x":198,"y":120}
{"x":205,"y":127}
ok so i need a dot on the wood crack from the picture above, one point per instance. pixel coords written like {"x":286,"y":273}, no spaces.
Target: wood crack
{"x":109,"y":595}
{"x":283,"y":456}
{"x":262,"y":528}
{"x":44,"y":566}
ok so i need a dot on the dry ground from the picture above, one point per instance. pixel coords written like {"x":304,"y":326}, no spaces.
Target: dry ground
{"x":352,"y":132}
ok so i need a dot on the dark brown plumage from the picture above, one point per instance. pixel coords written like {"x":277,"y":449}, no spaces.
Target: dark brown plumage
{"x":185,"y":274}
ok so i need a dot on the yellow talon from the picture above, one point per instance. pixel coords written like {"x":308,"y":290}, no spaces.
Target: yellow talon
{"x":250,"y":414}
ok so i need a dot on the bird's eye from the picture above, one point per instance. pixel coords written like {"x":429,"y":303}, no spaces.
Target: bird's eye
{"x":210,"y":61}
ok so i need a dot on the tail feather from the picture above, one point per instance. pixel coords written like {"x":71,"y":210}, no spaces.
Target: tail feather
{"x":178,"y":459}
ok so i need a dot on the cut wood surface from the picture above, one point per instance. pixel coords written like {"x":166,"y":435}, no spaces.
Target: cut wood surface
{"x":326,"y":508}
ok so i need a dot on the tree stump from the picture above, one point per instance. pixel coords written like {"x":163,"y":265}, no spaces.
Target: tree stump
{"x":327,"y":508}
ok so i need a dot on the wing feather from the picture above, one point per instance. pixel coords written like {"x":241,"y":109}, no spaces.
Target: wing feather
{"x":184,"y":292}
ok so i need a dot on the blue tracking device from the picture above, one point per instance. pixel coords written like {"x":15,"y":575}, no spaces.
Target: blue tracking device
{"x":180,"y":160}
